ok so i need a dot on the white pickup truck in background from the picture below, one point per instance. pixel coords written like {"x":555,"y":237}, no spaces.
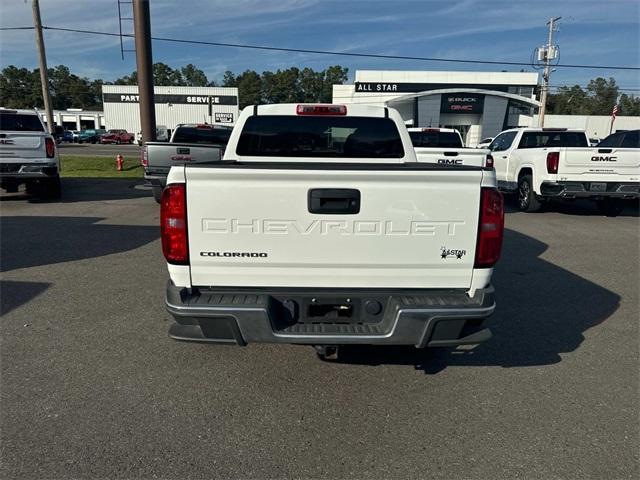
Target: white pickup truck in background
{"x":550,"y":163}
{"x":320,"y":227}
{"x":444,"y":146}
{"x":28,"y":154}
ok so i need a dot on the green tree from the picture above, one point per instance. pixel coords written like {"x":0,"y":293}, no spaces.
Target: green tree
{"x":311,"y":85}
{"x":603,"y":95}
{"x":281,"y":86}
{"x":249,"y":88}
{"x":164,"y":75}
{"x":20,"y":88}
{"x":229,"y":79}
{"x":569,"y":101}
{"x":127,"y":79}
{"x":334,"y":75}
{"x":629,"y":105}
{"x":193,"y":76}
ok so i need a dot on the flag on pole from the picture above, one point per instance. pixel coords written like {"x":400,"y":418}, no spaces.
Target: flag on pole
{"x":614,"y":112}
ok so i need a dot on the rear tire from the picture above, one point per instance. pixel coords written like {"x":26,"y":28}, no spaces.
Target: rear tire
{"x":51,"y":188}
{"x":32,"y":188}
{"x":611,"y":207}
{"x":157,"y":193}
{"x":528,"y":201}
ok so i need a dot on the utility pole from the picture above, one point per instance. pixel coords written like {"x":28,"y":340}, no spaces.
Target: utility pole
{"x":144,"y":63}
{"x":548,"y":53}
{"x":44,"y":74}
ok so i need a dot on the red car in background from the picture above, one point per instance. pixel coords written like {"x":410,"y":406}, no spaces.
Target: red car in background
{"x":117,"y":136}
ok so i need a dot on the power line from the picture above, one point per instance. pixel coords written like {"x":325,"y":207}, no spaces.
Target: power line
{"x":345,"y":54}
{"x":5,"y":29}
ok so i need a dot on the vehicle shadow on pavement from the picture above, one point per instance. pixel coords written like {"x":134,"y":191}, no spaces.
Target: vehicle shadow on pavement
{"x":542,"y":312}
{"x":30,"y":241}
{"x":573,"y":207}
{"x":91,"y":190}
{"x":13,"y":293}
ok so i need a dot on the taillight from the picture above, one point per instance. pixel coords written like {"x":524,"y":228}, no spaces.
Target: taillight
{"x":50,"y":147}
{"x":173,"y":224}
{"x":144,"y":158}
{"x":490,"y":228}
{"x":321,"y":110}
{"x":553,"y":158}
{"x":489,"y":162}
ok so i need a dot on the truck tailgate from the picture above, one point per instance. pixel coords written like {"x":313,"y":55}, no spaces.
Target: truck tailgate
{"x":22,"y":145}
{"x":607,"y":161}
{"x":461,"y":156}
{"x":252,"y":226}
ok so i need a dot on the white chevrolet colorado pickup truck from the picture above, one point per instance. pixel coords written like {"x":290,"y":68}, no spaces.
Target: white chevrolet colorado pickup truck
{"x":445,"y":146}
{"x":320,"y":227}
{"x":28,"y":154}
{"x":544,"y":163}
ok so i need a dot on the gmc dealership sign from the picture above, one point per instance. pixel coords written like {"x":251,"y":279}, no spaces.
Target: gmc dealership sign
{"x":462,"y":103}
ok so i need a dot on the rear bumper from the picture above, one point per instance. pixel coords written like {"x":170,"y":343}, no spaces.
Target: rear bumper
{"x":424,"y":318}
{"x":156,"y":179}
{"x":629,"y":190}
{"x":17,"y":170}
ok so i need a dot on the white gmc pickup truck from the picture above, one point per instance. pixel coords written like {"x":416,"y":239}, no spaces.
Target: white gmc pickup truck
{"x":545,"y":163}
{"x":319,"y":227}
{"x":445,"y":147}
{"x":28,"y":154}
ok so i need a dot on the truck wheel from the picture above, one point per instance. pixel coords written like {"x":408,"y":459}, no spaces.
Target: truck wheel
{"x":32,"y":188}
{"x":527,"y":199}
{"x":157,"y":193}
{"x":51,"y":188}
{"x":611,"y":207}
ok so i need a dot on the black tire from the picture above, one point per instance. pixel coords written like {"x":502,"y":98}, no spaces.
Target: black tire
{"x":611,"y":207}
{"x":50,"y":188}
{"x":157,"y":193}
{"x":32,"y":188}
{"x":528,"y":201}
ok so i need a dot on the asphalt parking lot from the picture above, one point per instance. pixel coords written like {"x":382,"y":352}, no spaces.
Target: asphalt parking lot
{"x":91,"y":387}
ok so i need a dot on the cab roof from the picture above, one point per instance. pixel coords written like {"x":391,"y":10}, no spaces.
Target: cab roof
{"x":352,"y":110}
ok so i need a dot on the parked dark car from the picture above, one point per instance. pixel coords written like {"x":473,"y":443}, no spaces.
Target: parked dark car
{"x":91,"y":135}
{"x":117,"y":136}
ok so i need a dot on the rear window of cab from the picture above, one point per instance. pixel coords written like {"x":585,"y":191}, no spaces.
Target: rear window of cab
{"x":20,"y":122}
{"x":320,"y":136}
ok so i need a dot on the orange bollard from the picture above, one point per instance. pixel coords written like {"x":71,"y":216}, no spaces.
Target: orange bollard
{"x":119,"y":162}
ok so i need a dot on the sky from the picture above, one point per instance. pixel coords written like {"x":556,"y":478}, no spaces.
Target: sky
{"x":602,"y":32}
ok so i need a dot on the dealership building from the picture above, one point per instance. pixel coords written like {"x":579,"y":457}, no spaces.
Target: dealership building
{"x":174,"y":105}
{"x":478,"y":104}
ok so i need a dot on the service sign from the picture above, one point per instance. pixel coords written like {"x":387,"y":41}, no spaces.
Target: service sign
{"x":161,"y":98}
{"x":223,"y":117}
{"x":462,"y":103}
